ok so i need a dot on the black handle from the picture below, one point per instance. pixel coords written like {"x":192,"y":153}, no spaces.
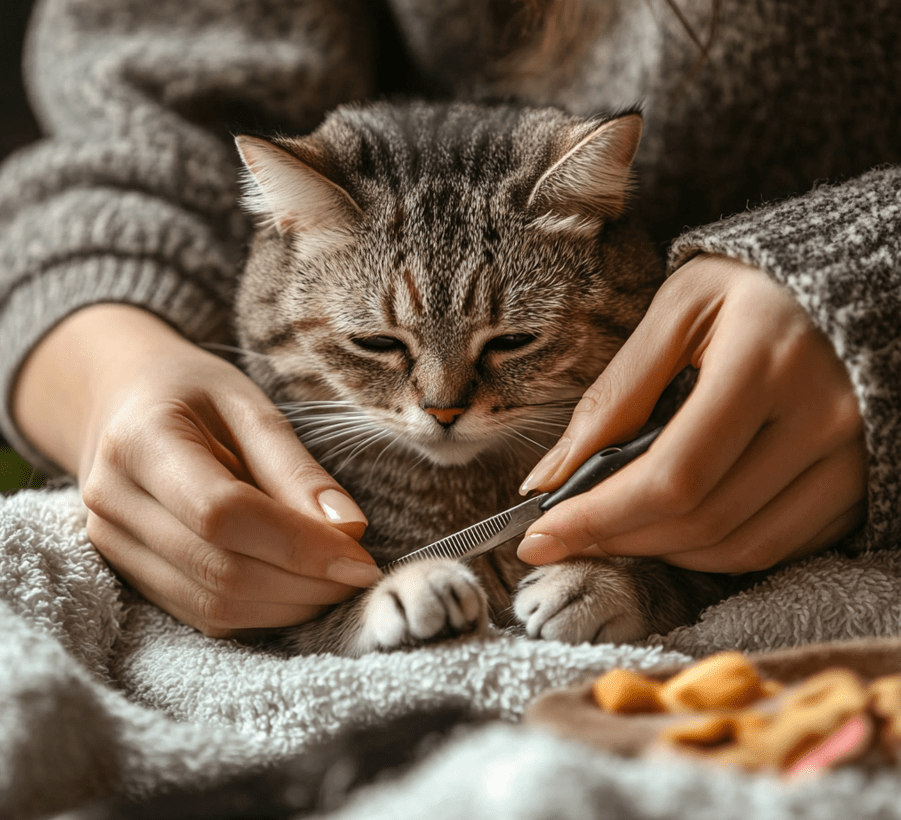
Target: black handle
{"x":600,"y":466}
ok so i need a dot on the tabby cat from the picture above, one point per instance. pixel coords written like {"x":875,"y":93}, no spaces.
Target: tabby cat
{"x":430,"y":290}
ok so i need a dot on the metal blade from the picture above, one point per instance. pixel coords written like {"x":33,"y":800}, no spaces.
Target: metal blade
{"x":481,"y":537}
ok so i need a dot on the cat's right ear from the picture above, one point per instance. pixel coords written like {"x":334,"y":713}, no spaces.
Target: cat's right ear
{"x":284,"y":191}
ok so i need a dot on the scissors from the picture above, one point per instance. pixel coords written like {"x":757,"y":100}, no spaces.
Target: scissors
{"x":498,"y":529}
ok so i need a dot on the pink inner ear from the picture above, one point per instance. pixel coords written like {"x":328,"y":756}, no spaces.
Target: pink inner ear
{"x":290,"y":194}
{"x":593,"y":179}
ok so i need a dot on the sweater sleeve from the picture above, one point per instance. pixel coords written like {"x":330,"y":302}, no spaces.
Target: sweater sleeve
{"x":132,"y":195}
{"x":838,"y":249}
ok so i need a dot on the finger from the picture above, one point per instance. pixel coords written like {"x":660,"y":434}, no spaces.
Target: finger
{"x":796,"y":520}
{"x":699,"y":445}
{"x":221,"y":571}
{"x":841,"y":526}
{"x":780,"y":453}
{"x":178,"y":471}
{"x":167,"y":587}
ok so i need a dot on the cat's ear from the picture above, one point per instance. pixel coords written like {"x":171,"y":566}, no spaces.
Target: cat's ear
{"x":288,"y":193}
{"x":592,"y":181}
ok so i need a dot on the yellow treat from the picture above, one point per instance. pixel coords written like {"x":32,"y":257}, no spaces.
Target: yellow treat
{"x":809,"y":715}
{"x":726,"y":680}
{"x":885,"y":698}
{"x":771,"y":688}
{"x":620,"y":690}
{"x":702,"y":732}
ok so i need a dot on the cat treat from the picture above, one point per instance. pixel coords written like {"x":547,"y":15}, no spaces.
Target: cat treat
{"x":721,"y":710}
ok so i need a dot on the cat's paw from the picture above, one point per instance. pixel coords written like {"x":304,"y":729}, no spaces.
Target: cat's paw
{"x":580,"y":601}
{"x":420,"y":602}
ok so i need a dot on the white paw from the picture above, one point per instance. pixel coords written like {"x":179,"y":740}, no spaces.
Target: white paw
{"x":580,"y":601}
{"x":420,"y":602}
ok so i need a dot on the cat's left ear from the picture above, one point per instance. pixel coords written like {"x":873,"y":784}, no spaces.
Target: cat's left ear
{"x":287,"y":192}
{"x":592,"y":181}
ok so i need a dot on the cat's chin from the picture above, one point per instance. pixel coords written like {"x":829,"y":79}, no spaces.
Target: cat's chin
{"x":451,"y":453}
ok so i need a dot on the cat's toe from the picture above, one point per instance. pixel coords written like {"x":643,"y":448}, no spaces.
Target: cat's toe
{"x":422,"y":602}
{"x":571,"y":602}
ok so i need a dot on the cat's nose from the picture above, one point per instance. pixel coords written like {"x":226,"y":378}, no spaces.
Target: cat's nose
{"x":445,"y":416}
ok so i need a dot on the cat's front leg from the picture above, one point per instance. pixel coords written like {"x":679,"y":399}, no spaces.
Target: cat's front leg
{"x":420,"y":602}
{"x":580,"y":601}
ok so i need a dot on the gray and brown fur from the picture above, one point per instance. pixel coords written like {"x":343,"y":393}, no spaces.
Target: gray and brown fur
{"x":446,"y":228}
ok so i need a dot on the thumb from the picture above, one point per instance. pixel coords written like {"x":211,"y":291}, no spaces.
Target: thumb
{"x":621,"y":400}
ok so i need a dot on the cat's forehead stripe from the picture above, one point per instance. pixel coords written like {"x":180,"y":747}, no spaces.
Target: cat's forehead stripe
{"x":413,"y":290}
{"x":469,"y":295}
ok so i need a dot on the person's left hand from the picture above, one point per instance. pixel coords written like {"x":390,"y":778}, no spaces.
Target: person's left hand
{"x":765,"y":462}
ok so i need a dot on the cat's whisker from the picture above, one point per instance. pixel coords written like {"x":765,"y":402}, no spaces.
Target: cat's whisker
{"x":525,"y":438}
{"x":385,"y":449}
{"x":312,"y":418}
{"x":317,"y":433}
{"x":554,"y":404}
{"x":325,"y":418}
{"x":330,"y":424}
{"x":233,"y":349}
{"x":314,"y":403}
{"x":344,"y":436}
{"x":540,"y":425}
{"x":362,"y":446}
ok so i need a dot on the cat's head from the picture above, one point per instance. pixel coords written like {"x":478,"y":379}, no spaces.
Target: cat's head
{"x":450,"y":270}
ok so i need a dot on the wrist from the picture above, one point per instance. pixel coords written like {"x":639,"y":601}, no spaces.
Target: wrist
{"x":77,"y":368}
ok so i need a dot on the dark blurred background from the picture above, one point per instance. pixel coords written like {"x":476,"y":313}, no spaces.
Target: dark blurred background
{"x":17,"y":128}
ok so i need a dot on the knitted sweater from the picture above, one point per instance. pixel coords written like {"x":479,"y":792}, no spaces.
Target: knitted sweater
{"x":132,"y":195}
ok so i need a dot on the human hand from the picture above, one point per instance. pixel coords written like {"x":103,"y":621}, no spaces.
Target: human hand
{"x":765,"y":462}
{"x":199,"y":493}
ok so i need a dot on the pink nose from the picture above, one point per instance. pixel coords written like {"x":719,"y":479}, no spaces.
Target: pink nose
{"x":446,"y":416}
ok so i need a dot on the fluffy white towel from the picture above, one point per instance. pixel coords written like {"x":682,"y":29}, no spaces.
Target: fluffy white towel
{"x":102,"y":693}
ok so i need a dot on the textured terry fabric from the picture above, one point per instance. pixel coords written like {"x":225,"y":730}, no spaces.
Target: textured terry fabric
{"x":102,"y":693}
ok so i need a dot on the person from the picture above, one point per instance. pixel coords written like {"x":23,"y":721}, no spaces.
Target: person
{"x":121,"y":238}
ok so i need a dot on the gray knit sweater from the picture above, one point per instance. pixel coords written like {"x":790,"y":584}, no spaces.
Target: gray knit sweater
{"x":793,"y":125}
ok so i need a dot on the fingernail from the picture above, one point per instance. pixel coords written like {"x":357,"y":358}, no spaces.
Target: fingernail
{"x":546,"y":468}
{"x":342,"y":512}
{"x":540,"y":548}
{"x":352,"y":572}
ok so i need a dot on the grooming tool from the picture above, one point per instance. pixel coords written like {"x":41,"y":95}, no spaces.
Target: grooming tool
{"x":500,"y":528}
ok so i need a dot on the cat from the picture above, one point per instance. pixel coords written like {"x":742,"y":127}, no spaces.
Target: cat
{"x":430,"y":289}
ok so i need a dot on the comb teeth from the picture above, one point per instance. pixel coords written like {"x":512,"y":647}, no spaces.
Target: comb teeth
{"x":459,"y":543}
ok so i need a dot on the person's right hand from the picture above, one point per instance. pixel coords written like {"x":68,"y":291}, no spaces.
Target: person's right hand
{"x":199,"y":493}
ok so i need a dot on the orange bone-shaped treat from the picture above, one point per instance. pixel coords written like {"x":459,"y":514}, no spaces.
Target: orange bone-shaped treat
{"x":621,"y":690}
{"x":725,"y":680}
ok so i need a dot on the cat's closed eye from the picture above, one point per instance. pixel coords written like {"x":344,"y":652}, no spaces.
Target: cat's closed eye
{"x":379,"y":344}
{"x":508,"y":341}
